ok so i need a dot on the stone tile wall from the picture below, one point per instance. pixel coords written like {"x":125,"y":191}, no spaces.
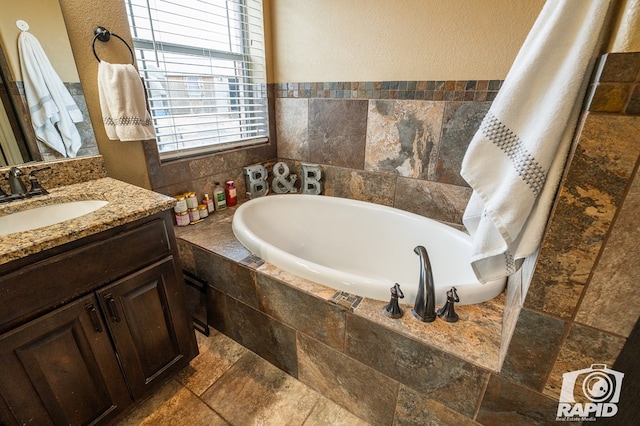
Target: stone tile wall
{"x":451,"y":90}
{"x":582,"y":302}
{"x":618,"y":86}
{"x":399,"y":144}
{"x":199,"y":174}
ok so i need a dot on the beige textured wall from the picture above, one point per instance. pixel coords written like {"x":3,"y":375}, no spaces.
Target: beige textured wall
{"x":124,"y":160}
{"x":627,"y":32}
{"x":45,"y":21}
{"x":268,"y":43}
{"x":378,"y":40}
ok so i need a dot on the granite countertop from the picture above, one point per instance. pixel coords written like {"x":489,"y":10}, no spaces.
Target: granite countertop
{"x":127,"y":203}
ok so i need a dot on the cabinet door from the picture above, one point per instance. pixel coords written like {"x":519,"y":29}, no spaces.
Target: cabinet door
{"x":61,"y":369}
{"x":145,"y":313}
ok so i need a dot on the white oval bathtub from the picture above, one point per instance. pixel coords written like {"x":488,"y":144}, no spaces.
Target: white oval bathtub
{"x":358,"y":247}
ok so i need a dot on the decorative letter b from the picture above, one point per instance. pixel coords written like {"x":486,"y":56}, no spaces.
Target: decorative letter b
{"x":311,"y":176}
{"x":255,"y":177}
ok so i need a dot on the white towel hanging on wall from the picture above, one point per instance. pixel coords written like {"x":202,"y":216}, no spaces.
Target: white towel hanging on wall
{"x":123,"y":103}
{"x":53,"y":111}
{"x":515,"y":160}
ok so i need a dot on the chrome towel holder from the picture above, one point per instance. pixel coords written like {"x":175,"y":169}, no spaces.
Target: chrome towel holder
{"x":104,"y":35}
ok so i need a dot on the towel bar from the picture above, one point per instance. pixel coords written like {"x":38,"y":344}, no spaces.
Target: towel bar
{"x":104,"y":35}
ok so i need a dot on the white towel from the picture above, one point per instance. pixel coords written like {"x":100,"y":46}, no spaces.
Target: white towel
{"x":53,"y":111}
{"x":123,"y":103}
{"x":515,"y":160}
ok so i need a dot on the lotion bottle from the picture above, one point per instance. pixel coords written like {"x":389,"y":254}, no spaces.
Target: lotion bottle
{"x":218,"y":197}
{"x":232,"y":198}
{"x":209,"y":203}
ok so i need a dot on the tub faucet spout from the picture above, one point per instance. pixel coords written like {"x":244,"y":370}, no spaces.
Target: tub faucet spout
{"x":424,"y":307}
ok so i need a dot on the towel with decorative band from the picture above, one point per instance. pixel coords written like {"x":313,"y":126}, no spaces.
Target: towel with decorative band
{"x":515,"y":160}
{"x":123,"y":103}
{"x":52,"y":109}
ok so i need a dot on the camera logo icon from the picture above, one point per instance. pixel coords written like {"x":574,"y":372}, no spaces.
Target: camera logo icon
{"x":592,"y":391}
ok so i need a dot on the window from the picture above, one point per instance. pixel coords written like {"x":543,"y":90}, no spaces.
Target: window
{"x":204,"y":69}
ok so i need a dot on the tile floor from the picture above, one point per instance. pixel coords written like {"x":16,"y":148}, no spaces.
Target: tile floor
{"x":226,"y":384}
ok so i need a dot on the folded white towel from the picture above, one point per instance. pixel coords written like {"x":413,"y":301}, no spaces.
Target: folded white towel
{"x":53,"y":111}
{"x":515,"y":160}
{"x":123,"y":103}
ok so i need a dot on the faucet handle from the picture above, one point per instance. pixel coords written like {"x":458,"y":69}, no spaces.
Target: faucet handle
{"x":36,"y":188}
{"x":448,"y":312}
{"x":392,"y":309}
{"x":33,"y":172}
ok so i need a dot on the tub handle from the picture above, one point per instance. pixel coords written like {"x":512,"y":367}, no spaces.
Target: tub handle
{"x":392,"y":310}
{"x":448,"y":312}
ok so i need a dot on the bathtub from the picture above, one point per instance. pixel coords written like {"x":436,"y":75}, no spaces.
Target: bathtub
{"x":358,"y":247}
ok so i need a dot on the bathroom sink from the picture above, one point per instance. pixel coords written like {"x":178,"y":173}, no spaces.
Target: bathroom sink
{"x":38,"y":217}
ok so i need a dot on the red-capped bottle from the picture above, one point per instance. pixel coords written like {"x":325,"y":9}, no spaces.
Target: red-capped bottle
{"x":230,"y":192}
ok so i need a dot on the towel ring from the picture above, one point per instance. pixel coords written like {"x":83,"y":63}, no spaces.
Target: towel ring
{"x":104,"y":35}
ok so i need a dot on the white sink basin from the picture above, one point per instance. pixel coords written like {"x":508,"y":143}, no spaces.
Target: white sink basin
{"x":38,"y":217}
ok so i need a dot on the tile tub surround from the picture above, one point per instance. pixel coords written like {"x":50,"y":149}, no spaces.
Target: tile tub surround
{"x":618,"y":87}
{"x":127,"y":203}
{"x":587,"y":266}
{"x":342,"y":353}
{"x":401,"y":153}
{"x":432,"y":90}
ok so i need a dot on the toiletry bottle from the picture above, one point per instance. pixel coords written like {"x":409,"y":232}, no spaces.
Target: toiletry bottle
{"x":218,"y":196}
{"x":181,"y":204}
{"x":194,"y":215}
{"x":192,"y":200}
{"x":182,"y":218}
{"x":208,"y":202}
{"x":232,"y":198}
{"x":203,"y":211}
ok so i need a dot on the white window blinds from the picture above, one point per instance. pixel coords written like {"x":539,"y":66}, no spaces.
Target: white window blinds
{"x":204,"y":69}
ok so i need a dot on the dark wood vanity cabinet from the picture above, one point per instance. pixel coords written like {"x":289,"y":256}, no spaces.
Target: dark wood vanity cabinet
{"x":99,"y":349}
{"x":138,"y":312}
{"x":61,"y":369}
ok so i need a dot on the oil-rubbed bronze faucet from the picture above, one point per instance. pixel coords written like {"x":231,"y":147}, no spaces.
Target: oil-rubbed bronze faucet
{"x":424,"y":307}
{"x":18,"y":188}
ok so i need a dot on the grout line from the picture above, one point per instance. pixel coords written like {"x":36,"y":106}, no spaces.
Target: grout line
{"x":205,"y":403}
{"x":482,"y":395}
{"x":312,"y":408}
{"x":248,"y":351}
